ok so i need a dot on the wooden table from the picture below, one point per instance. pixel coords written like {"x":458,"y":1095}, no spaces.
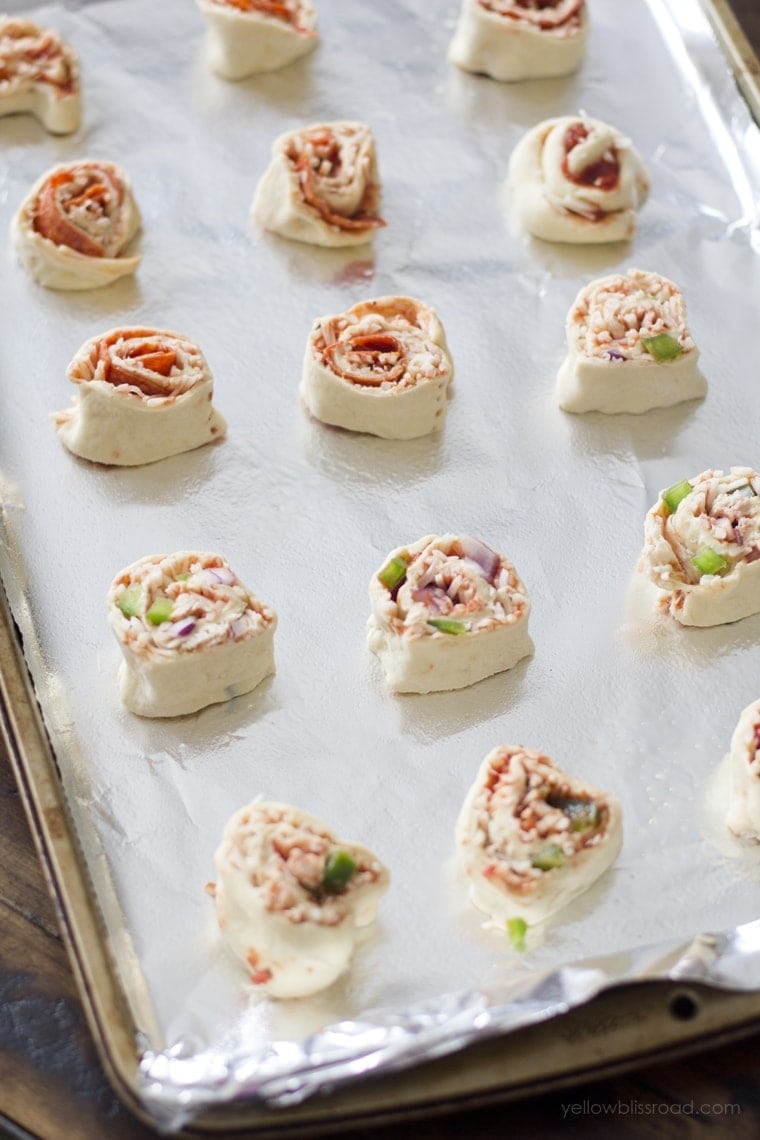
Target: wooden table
{"x":52,"y":1085}
{"x":748,"y":13}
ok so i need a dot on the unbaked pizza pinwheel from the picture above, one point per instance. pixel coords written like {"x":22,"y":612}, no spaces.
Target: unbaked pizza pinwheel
{"x":531,"y":838}
{"x":629,"y":347}
{"x":702,"y":547}
{"x":190,"y":632}
{"x":576,"y":180}
{"x":520,"y":39}
{"x":744,"y":771}
{"x":39,"y":75}
{"x":142,"y":394}
{"x":381,"y":367}
{"x":447,"y":611}
{"x":71,"y":229}
{"x":321,"y":186}
{"x":246,"y":37}
{"x":291,"y":899}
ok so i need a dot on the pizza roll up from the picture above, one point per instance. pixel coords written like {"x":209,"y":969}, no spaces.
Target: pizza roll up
{"x":576,"y":180}
{"x":702,"y":547}
{"x":447,"y":611}
{"x":381,"y":367}
{"x":39,"y":74}
{"x":520,"y":39}
{"x":291,"y":898}
{"x":71,"y":229}
{"x":142,"y":394}
{"x":322,"y":186}
{"x":246,"y":37}
{"x":191,"y":634}
{"x":531,"y":838}
{"x":629,"y":347}
{"x":743,"y":816}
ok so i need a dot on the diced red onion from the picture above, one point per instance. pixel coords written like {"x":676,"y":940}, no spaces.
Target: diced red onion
{"x":238,"y":628}
{"x":434,"y":598}
{"x":183,"y":628}
{"x":487,"y":559}
{"x":222,"y":574}
{"x":610,"y":354}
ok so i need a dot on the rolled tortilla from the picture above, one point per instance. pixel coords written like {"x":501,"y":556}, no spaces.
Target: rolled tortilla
{"x":531,"y":838}
{"x":71,"y":229}
{"x":447,"y":611}
{"x":381,"y":367}
{"x":246,"y":37}
{"x":743,"y":816}
{"x":322,"y":186}
{"x":629,"y":347}
{"x":291,"y":898}
{"x":520,"y":39}
{"x":39,"y":75}
{"x":143,"y":394}
{"x":702,"y":547}
{"x":576,"y":180}
{"x":190,"y":632}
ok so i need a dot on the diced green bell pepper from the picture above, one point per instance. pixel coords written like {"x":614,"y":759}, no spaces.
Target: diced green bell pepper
{"x":708,"y":561}
{"x":448,"y":625}
{"x":548,"y":857}
{"x":517,"y":928}
{"x":662,"y":347}
{"x":129,"y":602}
{"x":340,"y":868}
{"x":160,"y":611}
{"x":675,"y":494}
{"x":393,"y":574}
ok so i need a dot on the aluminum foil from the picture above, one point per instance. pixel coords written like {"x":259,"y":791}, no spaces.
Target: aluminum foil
{"x":391,"y":1039}
{"x":304,"y":514}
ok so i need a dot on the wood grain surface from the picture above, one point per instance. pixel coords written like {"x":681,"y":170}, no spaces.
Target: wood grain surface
{"x":748,"y":14}
{"x":53,"y":1087}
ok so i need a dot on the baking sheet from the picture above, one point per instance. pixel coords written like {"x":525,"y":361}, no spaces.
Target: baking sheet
{"x":305,"y":513}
